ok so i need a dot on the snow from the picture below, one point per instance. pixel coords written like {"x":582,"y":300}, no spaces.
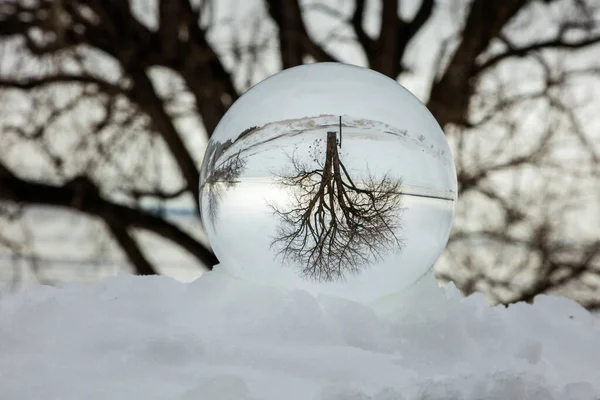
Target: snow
{"x":221,"y":338}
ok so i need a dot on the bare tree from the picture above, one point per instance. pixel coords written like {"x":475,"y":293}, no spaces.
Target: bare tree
{"x":222,"y":176}
{"x":107,"y":98}
{"x":333,"y":226}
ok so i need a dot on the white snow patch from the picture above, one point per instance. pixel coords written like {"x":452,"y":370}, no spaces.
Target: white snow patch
{"x":219,"y":338}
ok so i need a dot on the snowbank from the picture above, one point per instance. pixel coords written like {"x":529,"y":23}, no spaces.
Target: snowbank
{"x":218,"y":338}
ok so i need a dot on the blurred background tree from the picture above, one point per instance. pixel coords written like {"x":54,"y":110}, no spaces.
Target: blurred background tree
{"x":106,"y":107}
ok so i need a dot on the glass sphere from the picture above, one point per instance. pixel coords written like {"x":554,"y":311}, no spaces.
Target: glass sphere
{"x":330,"y":178}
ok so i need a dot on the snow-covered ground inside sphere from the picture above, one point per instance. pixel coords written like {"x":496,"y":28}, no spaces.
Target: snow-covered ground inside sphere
{"x":219,"y":338}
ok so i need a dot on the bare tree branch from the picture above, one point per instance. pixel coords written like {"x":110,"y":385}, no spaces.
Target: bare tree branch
{"x":421,"y":17}
{"x":294,"y":41}
{"x":357,"y":21}
{"x":61,"y":78}
{"x":524,"y":50}
{"x":450,"y":96}
{"x":130,"y":247}
{"x":144,"y":94}
{"x":83,"y":195}
{"x":334,"y":227}
{"x":385,"y":53}
{"x":388,"y":50}
{"x":574,"y":269}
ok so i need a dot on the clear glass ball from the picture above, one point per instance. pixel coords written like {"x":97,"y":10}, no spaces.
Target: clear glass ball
{"x":330,"y":178}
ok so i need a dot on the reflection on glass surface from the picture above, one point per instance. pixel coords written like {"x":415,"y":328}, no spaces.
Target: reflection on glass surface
{"x":357,"y":203}
{"x":334,"y":224}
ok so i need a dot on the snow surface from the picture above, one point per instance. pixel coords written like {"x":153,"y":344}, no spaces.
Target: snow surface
{"x":219,"y":338}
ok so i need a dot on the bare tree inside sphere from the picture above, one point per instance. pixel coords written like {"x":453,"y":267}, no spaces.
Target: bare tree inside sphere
{"x":222,"y":177}
{"x":333,"y":225}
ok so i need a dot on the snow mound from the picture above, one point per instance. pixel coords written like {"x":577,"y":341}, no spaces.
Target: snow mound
{"x":219,"y":338}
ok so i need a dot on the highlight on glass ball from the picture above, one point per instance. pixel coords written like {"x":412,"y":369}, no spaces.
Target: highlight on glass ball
{"x":329,"y":178}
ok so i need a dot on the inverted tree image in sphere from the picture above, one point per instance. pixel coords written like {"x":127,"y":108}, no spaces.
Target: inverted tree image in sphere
{"x":330,"y":178}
